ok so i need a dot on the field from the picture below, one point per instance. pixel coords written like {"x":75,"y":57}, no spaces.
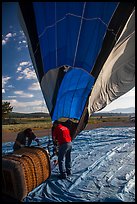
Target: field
{"x":22,"y":123}
{"x":45,"y":123}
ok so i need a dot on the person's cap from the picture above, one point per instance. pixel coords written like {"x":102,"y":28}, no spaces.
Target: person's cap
{"x":28,"y":130}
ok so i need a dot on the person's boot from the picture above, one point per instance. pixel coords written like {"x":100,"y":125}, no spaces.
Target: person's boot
{"x":68,"y":173}
{"x":62,"y":176}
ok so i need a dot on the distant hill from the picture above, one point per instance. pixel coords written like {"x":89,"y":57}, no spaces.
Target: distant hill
{"x":28,"y":115}
{"x":116,"y":112}
{"x":124,"y":110}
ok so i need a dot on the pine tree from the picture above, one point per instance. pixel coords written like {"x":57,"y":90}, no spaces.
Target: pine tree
{"x":6,"y":109}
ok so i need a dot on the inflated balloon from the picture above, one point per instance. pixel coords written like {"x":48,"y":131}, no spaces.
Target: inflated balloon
{"x":78,"y":50}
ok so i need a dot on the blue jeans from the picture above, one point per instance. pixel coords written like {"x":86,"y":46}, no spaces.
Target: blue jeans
{"x":64,"y":157}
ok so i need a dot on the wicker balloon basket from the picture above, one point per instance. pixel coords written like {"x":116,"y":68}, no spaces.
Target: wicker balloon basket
{"x":24,"y":170}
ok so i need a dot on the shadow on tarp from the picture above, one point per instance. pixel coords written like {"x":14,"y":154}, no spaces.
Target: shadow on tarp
{"x":111,"y":200}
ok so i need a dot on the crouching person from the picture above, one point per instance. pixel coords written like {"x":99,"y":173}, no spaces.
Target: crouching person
{"x":25,"y":138}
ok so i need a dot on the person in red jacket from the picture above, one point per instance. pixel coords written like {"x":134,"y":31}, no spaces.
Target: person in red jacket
{"x":61,"y":137}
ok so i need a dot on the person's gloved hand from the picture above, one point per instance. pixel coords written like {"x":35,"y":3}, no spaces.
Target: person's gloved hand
{"x":22,"y":146}
{"x":55,"y":150}
{"x":37,"y":140}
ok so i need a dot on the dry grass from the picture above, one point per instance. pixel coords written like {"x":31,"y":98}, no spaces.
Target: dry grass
{"x":96,"y":120}
{"x":45,"y":123}
{"x":22,"y":123}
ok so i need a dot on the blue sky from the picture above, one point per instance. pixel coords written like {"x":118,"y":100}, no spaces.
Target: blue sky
{"x":19,"y":82}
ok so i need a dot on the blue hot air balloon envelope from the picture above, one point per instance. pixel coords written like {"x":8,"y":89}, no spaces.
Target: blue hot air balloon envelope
{"x":71,"y":34}
{"x":69,"y":43}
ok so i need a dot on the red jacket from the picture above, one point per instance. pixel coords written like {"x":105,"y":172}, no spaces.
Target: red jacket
{"x":61,"y":134}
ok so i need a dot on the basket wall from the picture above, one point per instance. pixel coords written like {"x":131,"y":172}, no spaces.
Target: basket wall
{"x":24,"y":170}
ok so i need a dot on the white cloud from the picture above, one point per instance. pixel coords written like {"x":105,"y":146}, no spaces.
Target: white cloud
{"x":29,"y":74}
{"x":14,"y":34}
{"x":125,"y":101}
{"x":19,"y":69}
{"x":21,"y":94}
{"x":9,"y":35}
{"x":10,"y":86}
{"x":22,"y":33}
{"x":24,"y":63}
{"x":19,"y":77}
{"x":22,"y":43}
{"x":5,"y":80}
{"x":17,"y":37}
{"x":22,"y":46}
{"x":129,"y":94}
{"x":19,"y":48}
{"x":28,"y":107}
{"x":11,"y":101}
{"x":6,"y":38}
{"x":12,"y":96}
{"x":35,"y":86}
{"x":26,"y":71}
{"x":4,"y":42}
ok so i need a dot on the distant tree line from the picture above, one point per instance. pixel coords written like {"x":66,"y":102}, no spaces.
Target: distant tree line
{"x":28,"y":115}
{"x":110,"y":114}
